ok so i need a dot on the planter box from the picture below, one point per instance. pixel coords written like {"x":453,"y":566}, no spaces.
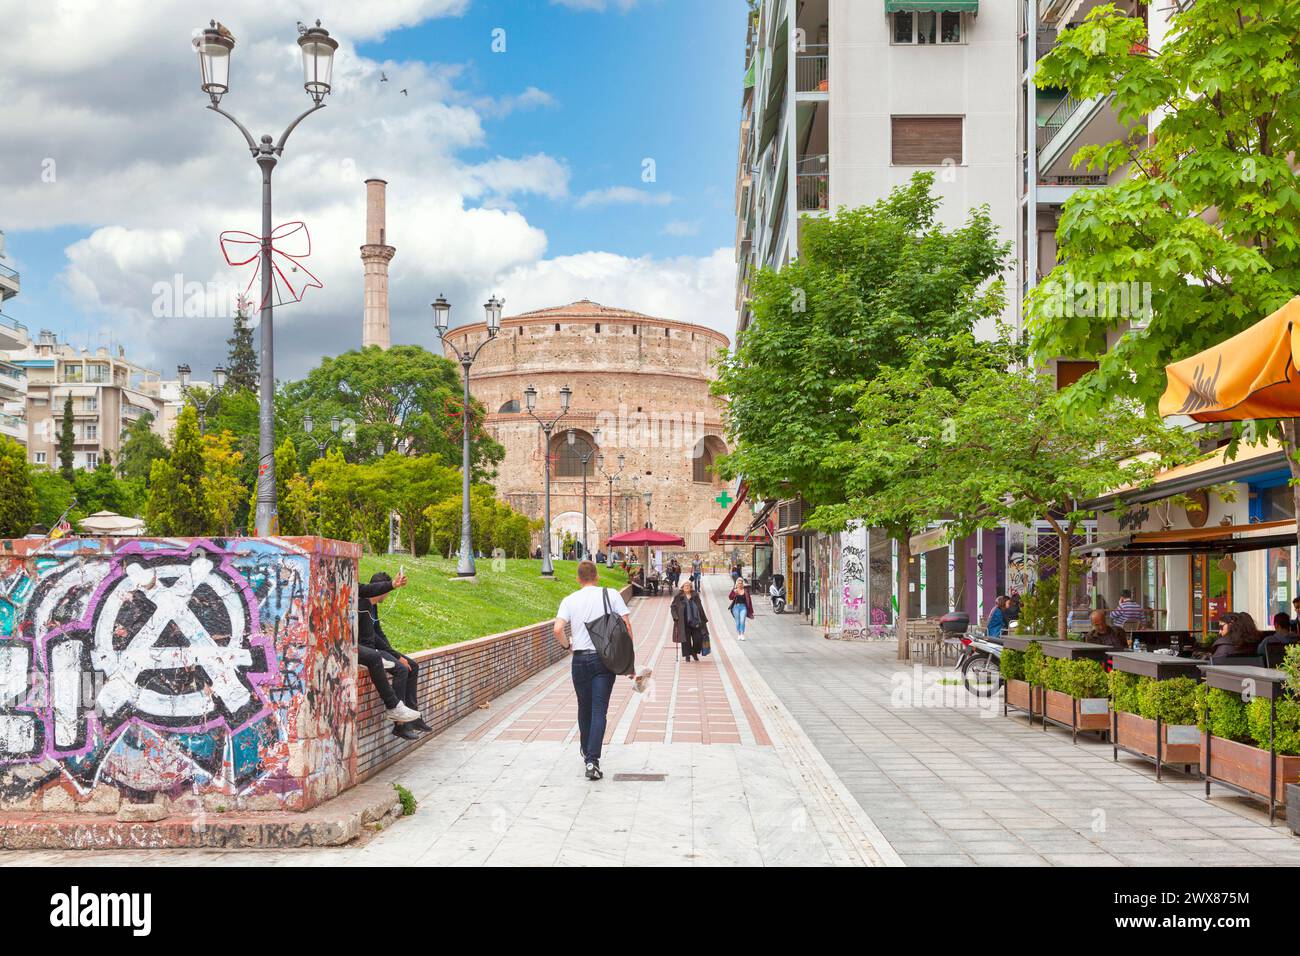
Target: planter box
{"x":1139,"y":734}
{"x":1089,"y":714}
{"x":1246,"y":766}
{"x":1018,"y":695}
{"x":1293,"y":807}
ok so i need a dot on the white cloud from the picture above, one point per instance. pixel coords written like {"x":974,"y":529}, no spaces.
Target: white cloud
{"x":680,"y":227}
{"x":622,"y":195}
{"x":596,"y":6}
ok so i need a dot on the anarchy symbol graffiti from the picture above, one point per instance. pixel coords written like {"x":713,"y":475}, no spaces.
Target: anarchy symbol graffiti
{"x":173,"y":643}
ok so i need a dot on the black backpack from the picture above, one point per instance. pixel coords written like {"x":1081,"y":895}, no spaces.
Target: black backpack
{"x":612,"y":640}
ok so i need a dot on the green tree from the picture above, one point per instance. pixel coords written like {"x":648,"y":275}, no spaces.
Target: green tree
{"x":1206,"y":213}
{"x":53,"y":495}
{"x":866,"y":281}
{"x":241,"y":361}
{"x":402,"y":394}
{"x":67,"y":441}
{"x":223,"y":492}
{"x":100,"y":490}
{"x":176,"y":503}
{"x":140,"y":447}
{"x":17,"y":496}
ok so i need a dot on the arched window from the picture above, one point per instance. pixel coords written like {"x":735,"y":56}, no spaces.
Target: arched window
{"x":509,"y":408}
{"x":707,"y":450}
{"x":566,"y":459}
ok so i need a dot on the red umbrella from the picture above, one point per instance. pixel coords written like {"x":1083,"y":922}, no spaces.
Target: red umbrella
{"x":646,"y":538}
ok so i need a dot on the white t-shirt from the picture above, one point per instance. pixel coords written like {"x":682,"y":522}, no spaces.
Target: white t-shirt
{"x":586,"y":604}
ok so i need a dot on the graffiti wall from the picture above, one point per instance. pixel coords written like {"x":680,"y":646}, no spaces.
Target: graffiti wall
{"x":203,"y":674}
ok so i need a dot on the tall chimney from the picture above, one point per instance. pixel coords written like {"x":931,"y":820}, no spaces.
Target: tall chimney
{"x":375,"y":256}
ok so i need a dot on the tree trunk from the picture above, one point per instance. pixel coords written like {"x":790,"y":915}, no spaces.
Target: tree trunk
{"x":904,"y":578}
{"x":1290,"y":429}
{"x":1063,"y":586}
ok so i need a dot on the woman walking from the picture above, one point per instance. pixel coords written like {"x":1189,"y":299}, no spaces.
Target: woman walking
{"x":690,"y":624}
{"x":742,"y":607}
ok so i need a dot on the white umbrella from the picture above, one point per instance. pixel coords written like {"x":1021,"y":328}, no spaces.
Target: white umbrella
{"x":108,"y":522}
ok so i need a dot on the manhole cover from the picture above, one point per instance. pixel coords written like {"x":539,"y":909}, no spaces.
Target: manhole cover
{"x":639,"y":777}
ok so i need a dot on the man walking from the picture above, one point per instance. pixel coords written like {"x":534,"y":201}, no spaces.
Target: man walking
{"x":593,"y":682}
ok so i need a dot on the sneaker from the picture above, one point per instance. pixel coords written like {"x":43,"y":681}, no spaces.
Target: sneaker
{"x":401,"y":714}
{"x":421,"y":726}
{"x":593,"y":771}
{"x":388,"y":665}
{"x":742,"y":637}
{"x":642,"y":680}
{"x":406,"y":731}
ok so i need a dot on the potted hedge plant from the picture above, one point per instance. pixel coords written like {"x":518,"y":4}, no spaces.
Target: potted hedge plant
{"x":1017,"y":667}
{"x":1145,"y":707}
{"x":1236,"y":733}
{"x":1078,"y":694}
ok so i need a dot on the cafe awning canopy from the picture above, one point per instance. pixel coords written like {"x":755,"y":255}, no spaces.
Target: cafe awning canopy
{"x":1251,"y":375}
{"x":645,"y":538}
{"x":1221,"y":539}
{"x":935,"y":6}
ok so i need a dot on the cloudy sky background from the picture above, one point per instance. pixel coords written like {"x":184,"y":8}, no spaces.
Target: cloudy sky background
{"x":519,"y":173}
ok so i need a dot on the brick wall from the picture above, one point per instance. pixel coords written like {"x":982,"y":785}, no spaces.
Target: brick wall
{"x":453,"y":682}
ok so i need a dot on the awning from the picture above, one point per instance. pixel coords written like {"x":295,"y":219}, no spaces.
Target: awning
{"x":933,"y":6}
{"x":720,"y":535}
{"x":1229,"y":539}
{"x":1251,"y":375}
{"x":646,"y":538}
{"x":749,"y":74}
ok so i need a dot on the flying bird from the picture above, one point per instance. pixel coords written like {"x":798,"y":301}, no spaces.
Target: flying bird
{"x":404,"y":92}
{"x":383,"y":77}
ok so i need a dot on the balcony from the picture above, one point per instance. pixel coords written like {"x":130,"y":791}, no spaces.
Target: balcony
{"x":1072,"y":124}
{"x":13,"y":426}
{"x":814,"y":183}
{"x":9,"y":285}
{"x":812,"y":70}
{"x":13,"y":334}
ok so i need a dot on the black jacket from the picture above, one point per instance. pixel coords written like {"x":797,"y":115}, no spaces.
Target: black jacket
{"x":369,"y":633}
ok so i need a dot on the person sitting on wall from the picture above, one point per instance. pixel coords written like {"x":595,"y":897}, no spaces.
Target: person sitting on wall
{"x":1104,"y":632}
{"x":376,"y":655}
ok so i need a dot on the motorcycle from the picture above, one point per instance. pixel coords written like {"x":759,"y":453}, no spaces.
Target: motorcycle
{"x":776,"y":591}
{"x":980,"y":663}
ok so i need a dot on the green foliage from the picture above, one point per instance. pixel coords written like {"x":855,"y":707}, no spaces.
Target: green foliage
{"x":406,"y":799}
{"x":493,"y":522}
{"x":1223,"y":713}
{"x":1172,"y":700}
{"x":1286,"y":728}
{"x":67,"y":441}
{"x":141,"y":447}
{"x":1207,"y":212}
{"x":867,"y":282}
{"x":241,"y":362}
{"x":404,"y":393}
{"x":1079,"y":677}
{"x":102,"y":490}
{"x":17,"y":496}
{"x":1012,"y":664}
{"x":53,"y":495}
{"x":1125,"y":689}
{"x":223,"y":492}
{"x":176,"y":505}
{"x":1035,"y":664}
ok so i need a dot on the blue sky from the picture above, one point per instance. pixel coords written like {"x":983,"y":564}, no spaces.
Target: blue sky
{"x":550,"y":136}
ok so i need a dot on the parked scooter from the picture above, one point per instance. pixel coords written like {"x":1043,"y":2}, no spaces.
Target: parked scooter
{"x":776,"y":591}
{"x":980,"y":663}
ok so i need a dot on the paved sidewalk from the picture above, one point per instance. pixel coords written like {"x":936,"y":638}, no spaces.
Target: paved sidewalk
{"x":729,"y":778}
{"x":950,"y":784}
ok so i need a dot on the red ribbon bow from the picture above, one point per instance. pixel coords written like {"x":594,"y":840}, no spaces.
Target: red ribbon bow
{"x":284,"y":263}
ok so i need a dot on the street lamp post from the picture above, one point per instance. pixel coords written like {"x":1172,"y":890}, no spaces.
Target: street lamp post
{"x":586,"y":457}
{"x":646,"y":497}
{"x":321,"y":444}
{"x":441,"y":312}
{"x":204,"y":406}
{"x":610,"y":478}
{"x":214,"y":48}
{"x":530,"y":402}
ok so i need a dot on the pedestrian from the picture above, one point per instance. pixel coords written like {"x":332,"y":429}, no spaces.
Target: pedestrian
{"x":697,"y":567}
{"x":742,"y":606}
{"x":690,"y":623}
{"x":376,"y":655}
{"x":593,"y":682}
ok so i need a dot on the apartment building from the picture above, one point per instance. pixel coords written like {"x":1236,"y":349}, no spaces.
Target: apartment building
{"x":108,"y":393}
{"x":13,"y":378}
{"x":844,"y":100}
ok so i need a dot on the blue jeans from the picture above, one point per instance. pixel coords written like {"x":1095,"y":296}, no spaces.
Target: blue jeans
{"x":739,"y":612}
{"x":593,"y":682}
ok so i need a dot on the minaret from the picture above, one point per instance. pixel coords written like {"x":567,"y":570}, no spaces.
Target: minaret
{"x":375,"y":256}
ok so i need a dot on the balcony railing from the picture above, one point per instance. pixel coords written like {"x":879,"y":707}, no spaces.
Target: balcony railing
{"x":812,"y":70}
{"x":814,"y":183}
{"x":11,"y":323}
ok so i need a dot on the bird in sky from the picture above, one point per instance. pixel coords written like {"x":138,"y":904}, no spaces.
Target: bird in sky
{"x":383,"y":77}
{"x":404,"y":92}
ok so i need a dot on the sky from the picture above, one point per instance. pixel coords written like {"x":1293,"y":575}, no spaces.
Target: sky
{"x":543,"y":150}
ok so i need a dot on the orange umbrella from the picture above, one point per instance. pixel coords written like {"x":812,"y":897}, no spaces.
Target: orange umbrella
{"x":1251,"y":375}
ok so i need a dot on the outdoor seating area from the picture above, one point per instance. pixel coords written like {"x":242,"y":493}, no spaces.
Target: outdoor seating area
{"x":1233,"y":721}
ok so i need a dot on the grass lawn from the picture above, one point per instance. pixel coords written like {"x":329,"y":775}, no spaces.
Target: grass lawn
{"x":433,"y":610}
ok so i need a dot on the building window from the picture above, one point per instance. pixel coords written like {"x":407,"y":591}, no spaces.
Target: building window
{"x":927,"y":29}
{"x":90,"y":403}
{"x":40,"y":457}
{"x":634,"y":330}
{"x":92,"y":431}
{"x":707,"y":451}
{"x":509,"y":408}
{"x":927,"y":140}
{"x":92,"y":459}
{"x":566,"y":459}
{"x":667,"y":332}
{"x":597,"y":328}
{"x":557,"y":326}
